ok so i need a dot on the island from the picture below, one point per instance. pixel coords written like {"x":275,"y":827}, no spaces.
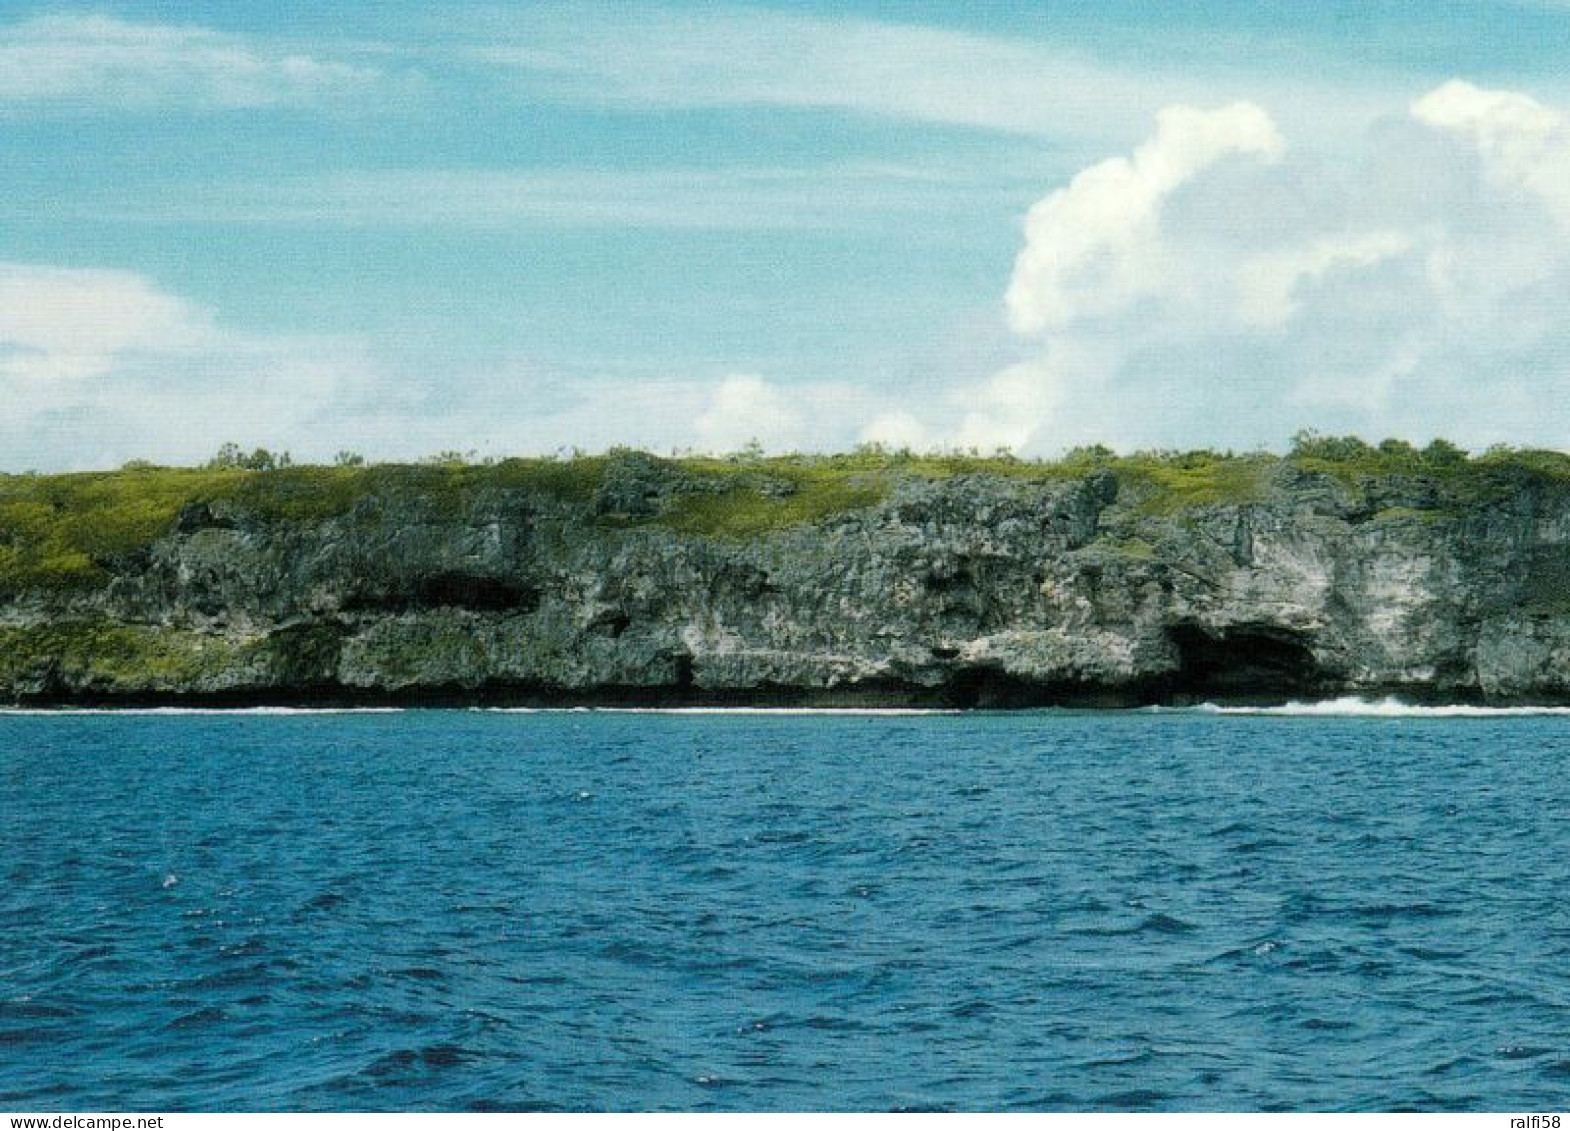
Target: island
{"x":870,"y":578}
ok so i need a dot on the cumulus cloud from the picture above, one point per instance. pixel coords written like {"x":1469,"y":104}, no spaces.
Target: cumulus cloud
{"x":1268,"y":283}
{"x":1523,"y":143}
{"x":896,"y":431}
{"x":98,"y":367}
{"x":98,"y":59}
{"x":101,"y":366}
{"x":62,"y":327}
{"x":746,"y":408}
{"x":1095,"y":246}
{"x":1215,"y":287}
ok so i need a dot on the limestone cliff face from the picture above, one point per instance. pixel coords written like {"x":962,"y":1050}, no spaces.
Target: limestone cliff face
{"x":977,"y":589}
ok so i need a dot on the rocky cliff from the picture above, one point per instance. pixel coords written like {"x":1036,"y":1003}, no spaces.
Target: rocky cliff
{"x":629,"y":579}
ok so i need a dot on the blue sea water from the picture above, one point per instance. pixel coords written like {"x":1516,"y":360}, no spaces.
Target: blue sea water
{"x":478,"y":910}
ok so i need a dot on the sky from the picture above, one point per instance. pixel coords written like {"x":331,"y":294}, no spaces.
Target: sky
{"x":401,"y":229}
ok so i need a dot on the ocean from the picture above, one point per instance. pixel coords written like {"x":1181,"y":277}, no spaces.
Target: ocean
{"x":1352,"y":906}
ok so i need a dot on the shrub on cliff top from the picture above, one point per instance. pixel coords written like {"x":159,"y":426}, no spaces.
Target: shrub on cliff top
{"x":1391,"y":456}
{"x":74,"y":531}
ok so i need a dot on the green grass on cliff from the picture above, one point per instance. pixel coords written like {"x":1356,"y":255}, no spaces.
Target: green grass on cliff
{"x":66,"y":531}
{"x":74,"y":531}
{"x":107,"y":654}
{"x":60,"y":532}
{"x":1171,"y":484}
{"x":745,"y":511}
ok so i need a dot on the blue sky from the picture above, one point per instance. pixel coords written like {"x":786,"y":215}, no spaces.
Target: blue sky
{"x":402,"y":228}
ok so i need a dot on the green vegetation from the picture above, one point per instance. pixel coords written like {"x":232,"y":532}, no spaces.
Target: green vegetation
{"x":231,"y":457}
{"x":1406,"y":514}
{"x":1455,"y":479}
{"x":1133,"y":547}
{"x":61,"y":532}
{"x":1348,"y":457}
{"x":66,"y":531}
{"x":74,"y":531}
{"x":107,"y":654}
{"x":1168,"y":483}
{"x":744,"y":509}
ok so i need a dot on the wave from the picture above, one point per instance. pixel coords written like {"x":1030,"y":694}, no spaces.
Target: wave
{"x":1388,"y":708}
{"x":1345,"y":707}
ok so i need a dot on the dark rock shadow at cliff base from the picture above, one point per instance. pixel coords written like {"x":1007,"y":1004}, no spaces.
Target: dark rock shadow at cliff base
{"x":1251,"y":666}
{"x":1247,"y":662}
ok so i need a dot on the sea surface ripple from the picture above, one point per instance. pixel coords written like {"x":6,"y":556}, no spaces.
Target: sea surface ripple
{"x":1054,"y":910}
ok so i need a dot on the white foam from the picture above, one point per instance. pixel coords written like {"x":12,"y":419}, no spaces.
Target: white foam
{"x":1346,"y":707}
{"x":1387,"y":708}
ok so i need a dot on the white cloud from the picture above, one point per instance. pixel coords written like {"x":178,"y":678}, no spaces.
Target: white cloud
{"x":63,"y":326}
{"x":757,"y":57}
{"x":896,"y":431}
{"x":646,"y":56}
{"x":1268,"y":283}
{"x":102,"y":60}
{"x":541,"y":411}
{"x":1095,"y":246}
{"x":739,"y":198}
{"x":101,"y":366}
{"x":1523,"y":143}
{"x":1009,"y":409}
{"x":98,"y":367}
{"x":1212,"y":288}
{"x":746,"y":408}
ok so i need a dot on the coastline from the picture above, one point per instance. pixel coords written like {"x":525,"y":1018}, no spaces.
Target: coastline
{"x":870,"y":580}
{"x":1387,"y":701}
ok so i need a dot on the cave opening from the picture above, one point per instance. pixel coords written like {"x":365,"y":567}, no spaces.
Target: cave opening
{"x":481,"y":592}
{"x":1244,"y":662}
{"x":447,"y":589}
